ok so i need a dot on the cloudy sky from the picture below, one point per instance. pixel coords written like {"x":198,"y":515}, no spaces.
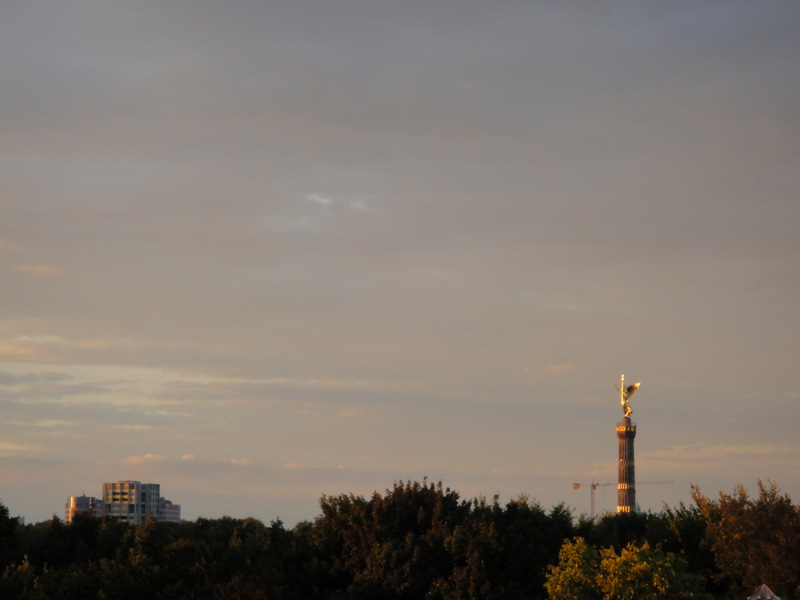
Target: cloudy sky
{"x":262,"y":251}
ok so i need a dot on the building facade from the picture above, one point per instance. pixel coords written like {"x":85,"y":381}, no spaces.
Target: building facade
{"x":131,"y":502}
{"x":167,"y":511}
{"x":83,"y":504}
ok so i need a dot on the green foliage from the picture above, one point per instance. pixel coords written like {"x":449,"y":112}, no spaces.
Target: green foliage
{"x":420,"y":540}
{"x":9,"y":541}
{"x":576,"y":574}
{"x":416,"y":540}
{"x":753,"y":541}
{"x":689,"y":529}
{"x":528,"y":538}
{"x":394,"y":545}
{"x":638,"y":572}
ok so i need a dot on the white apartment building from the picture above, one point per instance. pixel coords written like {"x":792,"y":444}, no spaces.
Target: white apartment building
{"x":131,"y":501}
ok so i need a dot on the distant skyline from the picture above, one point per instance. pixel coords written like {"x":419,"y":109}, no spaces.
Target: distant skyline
{"x":261,"y":252}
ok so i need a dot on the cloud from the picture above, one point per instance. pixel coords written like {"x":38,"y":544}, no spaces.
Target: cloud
{"x":17,"y":351}
{"x":11,"y":449}
{"x":360,"y":205}
{"x":54,"y":349}
{"x":141,"y":460}
{"x":52,"y":423}
{"x":13,"y":379}
{"x":321,"y":215}
{"x":703,"y":460}
{"x":50,"y":391}
{"x":319,"y":199}
{"x":352,"y":412}
{"x":721,"y":451}
{"x":565,"y":368}
{"x":38,"y":270}
{"x":297,"y":465}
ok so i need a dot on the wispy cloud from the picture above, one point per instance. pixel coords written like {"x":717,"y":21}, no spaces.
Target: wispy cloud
{"x":12,"y":379}
{"x":12,"y":448}
{"x":46,"y":423}
{"x":58,"y":391}
{"x":319,"y":199}
{"x":721,"y":451}
{"x":140,"y":460}
{"x":41,"y":270}
{"x":705,"y":460}
{"x":20,"y":351}
{"x":54,"y":349}
{"x":565,"y":368}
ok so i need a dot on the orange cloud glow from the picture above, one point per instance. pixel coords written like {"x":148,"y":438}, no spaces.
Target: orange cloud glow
{"x":37,"y":270}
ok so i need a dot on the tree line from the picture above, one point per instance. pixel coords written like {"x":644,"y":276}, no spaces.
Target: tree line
{"x":418,"y":540}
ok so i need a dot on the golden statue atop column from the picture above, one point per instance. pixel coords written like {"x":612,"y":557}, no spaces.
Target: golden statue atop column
{"x":625,"y":393}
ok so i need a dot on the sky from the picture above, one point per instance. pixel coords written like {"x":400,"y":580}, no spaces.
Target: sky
{"x":262,"y":252}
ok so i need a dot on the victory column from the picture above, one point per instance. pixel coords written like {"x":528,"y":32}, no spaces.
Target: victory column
{"x":626,"y":431}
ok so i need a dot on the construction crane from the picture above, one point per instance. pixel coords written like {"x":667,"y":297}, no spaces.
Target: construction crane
{"x":594,"y":485}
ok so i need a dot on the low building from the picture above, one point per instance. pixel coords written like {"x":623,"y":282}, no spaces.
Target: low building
{"x":167,"y":511}
{"x":83,"y":504}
